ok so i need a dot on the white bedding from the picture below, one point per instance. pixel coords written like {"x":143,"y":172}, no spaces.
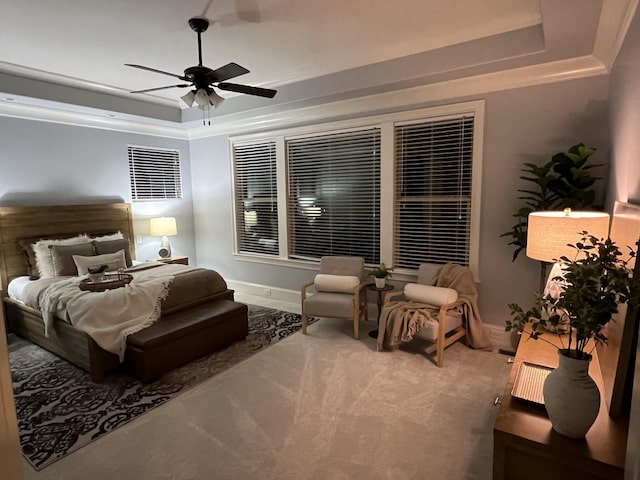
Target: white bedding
{"x":109,"y":316}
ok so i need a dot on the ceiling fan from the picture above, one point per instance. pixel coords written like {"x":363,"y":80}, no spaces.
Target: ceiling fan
{"x":203,"y":79}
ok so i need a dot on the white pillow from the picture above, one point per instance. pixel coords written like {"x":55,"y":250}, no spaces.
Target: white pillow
{"x":429,"y":294}
{"x":43,"y":254}
{"x":336,"y":283}
{"x":113,"y":261}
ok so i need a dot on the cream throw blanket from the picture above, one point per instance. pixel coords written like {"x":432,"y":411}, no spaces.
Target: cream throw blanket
{"x":110,"y":316}
{"x":399,"y":321}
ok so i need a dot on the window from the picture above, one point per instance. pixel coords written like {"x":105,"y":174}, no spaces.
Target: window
{"x":432,"y":205}
{"x":334,"y":195}
{"x":154,"y":173}
{"x":399,"y":188}
{"x":255,"y":196}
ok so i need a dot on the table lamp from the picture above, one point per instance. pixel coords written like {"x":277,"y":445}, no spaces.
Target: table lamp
{"x":163,"y":227}
{"x":550,"y":233}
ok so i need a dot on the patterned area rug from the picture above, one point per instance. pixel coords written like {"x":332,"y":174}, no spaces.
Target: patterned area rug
{"x":60,"y":409}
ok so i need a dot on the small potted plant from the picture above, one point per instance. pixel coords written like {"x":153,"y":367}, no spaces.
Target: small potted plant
{"x":595,"y":282}
{"x":380,"y":274}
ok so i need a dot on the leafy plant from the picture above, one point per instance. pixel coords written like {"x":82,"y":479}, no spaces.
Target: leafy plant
{"x":564,"y":181}
{"x":596,"y":281}
{"x":381,"y":271}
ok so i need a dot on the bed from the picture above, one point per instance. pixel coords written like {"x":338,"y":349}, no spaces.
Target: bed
{"x":197,"y":315}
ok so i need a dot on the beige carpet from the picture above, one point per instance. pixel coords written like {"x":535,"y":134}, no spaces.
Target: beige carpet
{"x":321,"y":406}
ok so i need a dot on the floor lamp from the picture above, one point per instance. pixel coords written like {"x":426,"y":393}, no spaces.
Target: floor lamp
{"x":550,"y":233}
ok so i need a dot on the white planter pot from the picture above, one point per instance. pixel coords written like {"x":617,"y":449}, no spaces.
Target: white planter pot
{"x":571,"y":397}
{"x":381,"y":282}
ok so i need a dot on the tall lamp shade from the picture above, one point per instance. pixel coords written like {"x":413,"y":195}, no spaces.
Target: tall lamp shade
{"x":549,"y":233}
{"x":163,"y":227}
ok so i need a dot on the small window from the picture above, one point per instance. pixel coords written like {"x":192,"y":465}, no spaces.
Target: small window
{"x":154,"y":173}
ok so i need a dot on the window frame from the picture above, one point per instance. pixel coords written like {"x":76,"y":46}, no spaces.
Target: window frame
{"x":179,"y":191}
{"x":386,"y":122}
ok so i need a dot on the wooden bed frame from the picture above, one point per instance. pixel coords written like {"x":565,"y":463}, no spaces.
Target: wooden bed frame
{"x":44,"y":221}
{"x":41,"y":221}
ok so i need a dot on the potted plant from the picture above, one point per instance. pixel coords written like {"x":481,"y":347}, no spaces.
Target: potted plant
{"x":595,"y":282}
{"x":380,"y":274}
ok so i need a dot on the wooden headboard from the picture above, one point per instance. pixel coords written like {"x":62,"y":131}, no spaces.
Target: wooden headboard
{"x":41,"y":221}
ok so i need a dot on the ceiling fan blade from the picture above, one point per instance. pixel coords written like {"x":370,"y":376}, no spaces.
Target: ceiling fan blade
{"x":182,"y":85}
{"x":230,"y":70}
{"x":181,"y":77}
{"x":260,"y":92}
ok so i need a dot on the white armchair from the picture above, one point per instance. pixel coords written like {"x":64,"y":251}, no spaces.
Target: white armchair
{"x":339,"y":292}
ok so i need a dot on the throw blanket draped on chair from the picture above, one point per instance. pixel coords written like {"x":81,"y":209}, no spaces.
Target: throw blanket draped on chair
{"x":399,"y":321}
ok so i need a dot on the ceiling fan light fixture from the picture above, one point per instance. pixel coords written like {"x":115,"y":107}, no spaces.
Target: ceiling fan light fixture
{"x":215,"y":99}
{"x":188,"y":98}
{"x":201,"y":97}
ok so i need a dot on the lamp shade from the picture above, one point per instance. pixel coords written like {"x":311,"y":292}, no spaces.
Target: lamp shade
{"x":549,"y":233}
{"x":188,"y":98}
{"x":163,"y":226}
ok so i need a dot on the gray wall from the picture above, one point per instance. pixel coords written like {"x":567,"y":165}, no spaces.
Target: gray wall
{"x":45,"y":163}
{"x":624,"y":184}
{"x":527,"y":124}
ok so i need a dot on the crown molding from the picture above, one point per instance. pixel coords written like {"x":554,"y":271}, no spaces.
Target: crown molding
{"x":415,"y":97}
{"x":615,"y":20}
{"x":552,"y":72}
{"x":104,"y":122}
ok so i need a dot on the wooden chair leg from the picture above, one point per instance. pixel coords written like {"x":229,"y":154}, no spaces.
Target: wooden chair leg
{"x":356,"y":324}
{"x":440,"y":342}
{"x":304,"y":324}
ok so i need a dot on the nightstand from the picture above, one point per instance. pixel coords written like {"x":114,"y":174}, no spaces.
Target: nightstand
{"x":180,"y":260}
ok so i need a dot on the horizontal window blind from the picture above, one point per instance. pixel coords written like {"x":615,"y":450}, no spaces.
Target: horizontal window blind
{"x":256,"y":203}
{"x":432,"y":205}
{"x":333,"y":200}
{"x":154,"y":173}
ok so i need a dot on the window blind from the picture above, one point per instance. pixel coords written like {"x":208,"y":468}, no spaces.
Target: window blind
{"x":154,"y":173}
{"x":256,"y":197}
{"x":432,"y":205}
{"x":333,"y":200}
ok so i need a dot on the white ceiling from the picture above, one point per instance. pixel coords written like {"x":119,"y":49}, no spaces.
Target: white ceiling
{"x":285,"y":43}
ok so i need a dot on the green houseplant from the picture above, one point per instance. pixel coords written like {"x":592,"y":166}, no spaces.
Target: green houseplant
{"x":595,"y":282}
{"x":562,"y":182}
{"x":380,"y":273}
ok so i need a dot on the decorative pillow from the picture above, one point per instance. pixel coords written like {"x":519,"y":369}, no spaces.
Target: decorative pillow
{"x":26,"y":245}
{"x":113,"y":261}
{"x":43,"y":254}
{"x":112,"y":246}
{"x":429,"y":294}
{"x":336,"y":283}
{"x":62,"y":258}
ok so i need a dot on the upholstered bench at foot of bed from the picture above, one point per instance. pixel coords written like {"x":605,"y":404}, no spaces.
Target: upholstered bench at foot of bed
{"x":178,"y":338}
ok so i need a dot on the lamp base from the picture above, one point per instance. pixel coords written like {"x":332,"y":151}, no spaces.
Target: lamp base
{"x":165,"y":248}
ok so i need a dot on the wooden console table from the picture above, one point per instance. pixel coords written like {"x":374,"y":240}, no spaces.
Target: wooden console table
{"x":525,"y":447}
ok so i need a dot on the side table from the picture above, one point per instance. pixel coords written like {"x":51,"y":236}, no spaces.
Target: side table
{"x":174,"y":260}
{"x":373,"y":288}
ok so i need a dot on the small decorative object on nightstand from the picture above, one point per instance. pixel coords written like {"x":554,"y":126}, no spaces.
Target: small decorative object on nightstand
{"x":180,"y":260}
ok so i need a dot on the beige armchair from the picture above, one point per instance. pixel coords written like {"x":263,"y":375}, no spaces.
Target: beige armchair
{"x":339,"y":292}
{"x":444,"y":300}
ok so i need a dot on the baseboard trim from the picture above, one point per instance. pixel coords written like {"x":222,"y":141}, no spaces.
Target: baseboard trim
{"x":500,"y":339}
{"x":265,"y":291}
